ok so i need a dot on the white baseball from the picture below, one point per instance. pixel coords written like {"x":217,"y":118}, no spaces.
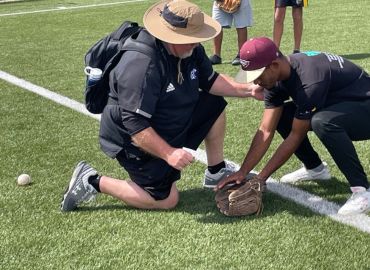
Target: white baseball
{"x":24,"y":179}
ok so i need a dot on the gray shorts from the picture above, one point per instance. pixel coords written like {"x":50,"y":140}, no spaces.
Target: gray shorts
{"x":243,"y":17}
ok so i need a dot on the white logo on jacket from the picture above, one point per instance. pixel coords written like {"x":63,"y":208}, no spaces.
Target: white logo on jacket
{"x":193,"y":74}
{"x":170,"y":88}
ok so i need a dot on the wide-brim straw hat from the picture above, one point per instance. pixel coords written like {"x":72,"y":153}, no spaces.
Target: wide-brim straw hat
{"x":180,"y":22}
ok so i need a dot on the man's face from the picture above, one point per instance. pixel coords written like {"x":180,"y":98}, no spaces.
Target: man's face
{"x":269,"y":77}
{"x":183,"y":50}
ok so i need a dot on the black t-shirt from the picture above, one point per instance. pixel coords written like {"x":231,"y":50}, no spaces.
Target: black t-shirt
{"x":147,"y":97}
{"x":319,"y":80}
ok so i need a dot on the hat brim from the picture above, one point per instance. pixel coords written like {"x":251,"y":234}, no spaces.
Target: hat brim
{"x":244,"y":76}
{"x":153,"y":24}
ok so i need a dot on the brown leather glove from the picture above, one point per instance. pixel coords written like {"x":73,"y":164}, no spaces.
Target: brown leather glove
{"x":241,"y":199}
{"x":229,"y":6}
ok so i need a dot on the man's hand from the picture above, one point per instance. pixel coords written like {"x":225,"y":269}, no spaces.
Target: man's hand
{"x":236,"y":177}
{"x":179,"y":158}
{"x":258,"y":92}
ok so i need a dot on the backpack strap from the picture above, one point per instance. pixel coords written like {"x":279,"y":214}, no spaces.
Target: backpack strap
{"x":128,"y":27}
{"x":132,"y":44}
{"x":149,"y":49}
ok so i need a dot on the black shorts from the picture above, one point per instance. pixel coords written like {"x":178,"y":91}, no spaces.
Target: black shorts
{"x":291,"y":3}
{"x":154,"y":174}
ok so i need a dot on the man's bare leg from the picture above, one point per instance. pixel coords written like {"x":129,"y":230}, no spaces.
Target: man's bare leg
{"x":133,"y":195}
{"x":242,"y":36}
{"x":214,"y":141}
{"x":217,"y":44}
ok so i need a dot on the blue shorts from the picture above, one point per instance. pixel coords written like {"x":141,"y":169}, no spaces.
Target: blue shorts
{"x":153,"y":174}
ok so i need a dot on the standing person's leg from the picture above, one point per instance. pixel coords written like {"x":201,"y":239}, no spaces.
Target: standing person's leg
{"x":217,"y":45}
{"x":225,"y":20}
{"x":297,"y":14}
{"x":242,"y":36}
{"x":243,"y":19}
{"x":337,"y":126}
{"x":313,"y":168}
{"x":279,"y":17}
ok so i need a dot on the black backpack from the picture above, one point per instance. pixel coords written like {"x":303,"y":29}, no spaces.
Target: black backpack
{"x":105,"y":55}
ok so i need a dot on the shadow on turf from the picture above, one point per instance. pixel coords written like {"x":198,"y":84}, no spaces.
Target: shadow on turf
{"x":356,"y":56}
{"x":334,"y":190}
{"x":200,"y":203}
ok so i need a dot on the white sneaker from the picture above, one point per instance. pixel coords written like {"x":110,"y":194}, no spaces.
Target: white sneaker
{"x":303,"y":174}
{"x":211,"y":180}
{"x":358,"y":203}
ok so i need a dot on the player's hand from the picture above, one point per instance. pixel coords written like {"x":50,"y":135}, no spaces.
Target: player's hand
{"x":236,"y":177}
{"x":180,"y":158}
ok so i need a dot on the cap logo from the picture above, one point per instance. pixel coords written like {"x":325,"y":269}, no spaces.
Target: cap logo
{"x":244,"y":63}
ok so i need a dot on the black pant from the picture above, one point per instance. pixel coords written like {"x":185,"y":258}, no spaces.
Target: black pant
{"x":336,"y":126}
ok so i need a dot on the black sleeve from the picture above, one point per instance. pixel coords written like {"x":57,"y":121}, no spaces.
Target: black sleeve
{"x":137,"y":81}
{"x":274,"y":97}
{"x":133,"y":122}
{"x":207,"y":75}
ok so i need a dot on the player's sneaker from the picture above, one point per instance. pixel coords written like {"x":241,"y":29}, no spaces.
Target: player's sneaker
{"x":79,"y":189}
{"x":211,"y":180}
{"x":304,"y":174}
{"x":358,"y":203}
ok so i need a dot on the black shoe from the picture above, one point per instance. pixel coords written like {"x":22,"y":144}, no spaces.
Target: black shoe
{"x":236,"y":61}
{"x":296,"y":51}
{"x":215,"y":59}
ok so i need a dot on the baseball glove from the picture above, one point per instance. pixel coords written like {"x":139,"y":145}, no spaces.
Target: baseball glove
{"x":229,"y":6}
{"x":241,"y":199}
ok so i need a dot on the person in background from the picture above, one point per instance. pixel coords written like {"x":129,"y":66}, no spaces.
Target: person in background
{"x":242,"y":18}
{"x":297,"y":14}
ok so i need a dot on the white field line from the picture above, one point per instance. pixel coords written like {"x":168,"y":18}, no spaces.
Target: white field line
{"x":65,"y":101}
{"x":67,"y":8}
{"x":313,"y":202}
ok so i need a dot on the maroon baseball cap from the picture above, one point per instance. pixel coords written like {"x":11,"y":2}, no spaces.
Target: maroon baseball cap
{"x":255,"y":55}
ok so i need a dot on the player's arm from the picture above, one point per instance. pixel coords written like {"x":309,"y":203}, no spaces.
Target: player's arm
{"x":260,"y":143}
{"x":287,"y":147}
{"x":226,"y":86}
